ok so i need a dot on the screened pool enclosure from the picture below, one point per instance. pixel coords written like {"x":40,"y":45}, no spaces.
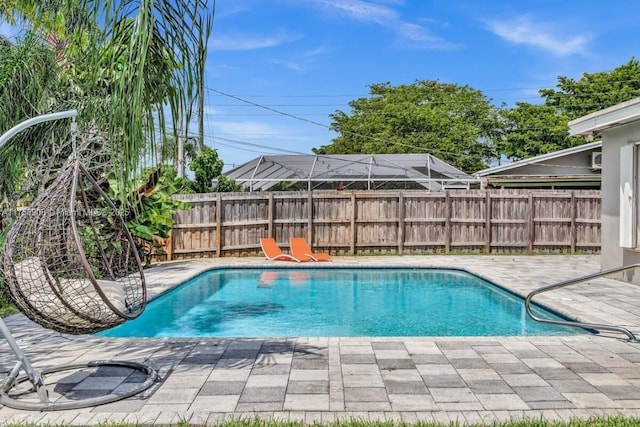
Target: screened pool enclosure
{"x":350,"y":172}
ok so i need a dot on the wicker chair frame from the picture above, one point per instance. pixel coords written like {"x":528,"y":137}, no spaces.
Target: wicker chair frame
{"x":70,"y":263}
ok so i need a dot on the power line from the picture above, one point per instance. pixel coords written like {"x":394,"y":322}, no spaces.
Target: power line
{"x":282,"y":113}
{"x":250,"y":144}
{"x":217,"y":139}
{"x":356,"y":95}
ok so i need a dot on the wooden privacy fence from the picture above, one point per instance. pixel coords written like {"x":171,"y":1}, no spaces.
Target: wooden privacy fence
{"x":389,"y":222}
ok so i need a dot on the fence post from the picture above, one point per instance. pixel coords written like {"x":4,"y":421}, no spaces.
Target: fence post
{"x":401,"y":209}
{"x":352,"y":248}
{"x":447,"y":222}
{"x":574,"y":232}
{"x":219,"y":225}
{"x":531,"y":225}
{"x":270,"y":215}
{"x":169,"y":246}
{"x":487,"y":245}
{"x":310,"y":217}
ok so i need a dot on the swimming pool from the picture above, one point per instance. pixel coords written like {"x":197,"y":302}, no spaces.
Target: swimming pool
{"x":336,"y":302}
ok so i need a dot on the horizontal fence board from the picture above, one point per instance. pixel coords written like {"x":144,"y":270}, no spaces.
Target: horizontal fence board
{"x":394,"y":222}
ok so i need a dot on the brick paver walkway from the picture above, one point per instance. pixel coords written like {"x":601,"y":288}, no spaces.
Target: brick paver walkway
{"x":474,"y":379}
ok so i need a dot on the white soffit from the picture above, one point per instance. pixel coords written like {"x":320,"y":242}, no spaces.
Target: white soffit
{"x":613,"y":116}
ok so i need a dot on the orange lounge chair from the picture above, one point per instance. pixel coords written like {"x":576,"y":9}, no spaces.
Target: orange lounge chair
{"x":273,"y":252}
{"x":299,"y":248}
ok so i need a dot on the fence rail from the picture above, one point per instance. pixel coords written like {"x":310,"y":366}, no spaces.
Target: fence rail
{"x":389,"y":222}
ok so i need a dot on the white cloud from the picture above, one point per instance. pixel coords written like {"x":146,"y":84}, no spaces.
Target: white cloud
{"x":392,"y":2}
{"x":381,"y":13}
{"x":314,"y":52}
{"x":300,"y":61}
{"x":248,"y":42}
{"x":418,"y":33}
{"x":360,"y":10}
{"x":295,"y":66}
{"x":232,"y":9}
{"x":524,"y":31}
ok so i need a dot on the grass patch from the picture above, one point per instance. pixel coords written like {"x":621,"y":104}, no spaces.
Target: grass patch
{"x":6,"y":309}
{"x":609,"y":421}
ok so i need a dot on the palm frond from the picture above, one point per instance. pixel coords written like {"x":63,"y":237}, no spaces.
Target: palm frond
{"x":158,"y":46}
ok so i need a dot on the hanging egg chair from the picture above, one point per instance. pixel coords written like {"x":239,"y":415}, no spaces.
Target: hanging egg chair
{"x":70,"y":264}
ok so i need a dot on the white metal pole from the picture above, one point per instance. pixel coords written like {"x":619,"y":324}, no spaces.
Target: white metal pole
{"x":35,"y":120}
{"x":23,"y":362}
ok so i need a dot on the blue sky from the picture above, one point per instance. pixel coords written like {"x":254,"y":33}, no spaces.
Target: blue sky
{"x":277,"y":69}
{"x":309,"y":58}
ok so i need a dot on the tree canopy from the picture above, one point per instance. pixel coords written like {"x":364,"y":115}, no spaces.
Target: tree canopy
{"x":594,"y":91}
{"x":531,"y":130}
{"x":460,"y":125}
{"x":455,"y":123}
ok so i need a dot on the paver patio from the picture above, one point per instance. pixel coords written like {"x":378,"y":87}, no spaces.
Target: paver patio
{"x":469,"y":379}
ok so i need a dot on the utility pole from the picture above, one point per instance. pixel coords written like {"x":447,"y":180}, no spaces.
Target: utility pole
{"x":180,"y":143}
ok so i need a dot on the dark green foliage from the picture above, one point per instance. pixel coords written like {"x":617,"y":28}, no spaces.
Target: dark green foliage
{"x":207,"y":167}
{"x":460,"y":126}
{"x":6,"y":307}
{"x":531,"y":130}
{"x":152,"y":216}
{"x":594,"y":91}
{"x":29,"y":86}
{"x":227,"y":185}
{"x":133,"y":70}
{"x":454,"y":123}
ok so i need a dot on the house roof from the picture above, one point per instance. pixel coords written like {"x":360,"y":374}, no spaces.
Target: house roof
{"x":540,"y":158}
{"x":613,"y":116}
{"x":264,"y":172}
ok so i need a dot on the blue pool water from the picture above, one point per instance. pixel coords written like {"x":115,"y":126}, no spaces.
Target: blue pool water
{"x":336,"y":302}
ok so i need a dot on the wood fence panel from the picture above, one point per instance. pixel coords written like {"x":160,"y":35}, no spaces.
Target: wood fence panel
{"x":195,"y":232}
{"x":588,"y":222}
{"x":291,"y":217}
{"x":377,"y":224}
{"x":509,"y":222}
{"x":552,"y":217}
{"x":467,"y":221}
{"x":244,"y":221}
{"x":425,"y":222}
{"x":332,"y":222}
{"x":388,"y":222}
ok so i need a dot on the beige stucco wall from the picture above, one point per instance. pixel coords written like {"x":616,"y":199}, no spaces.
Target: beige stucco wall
{"x":612,"y":255}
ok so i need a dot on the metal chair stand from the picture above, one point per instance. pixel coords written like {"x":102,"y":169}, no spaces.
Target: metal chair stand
{"x":36,"y":377}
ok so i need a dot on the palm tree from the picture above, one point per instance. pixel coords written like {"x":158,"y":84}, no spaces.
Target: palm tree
{"x":133,"y":68}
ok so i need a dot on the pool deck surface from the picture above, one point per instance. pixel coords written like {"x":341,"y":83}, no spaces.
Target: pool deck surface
{"x":464,"y":379}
